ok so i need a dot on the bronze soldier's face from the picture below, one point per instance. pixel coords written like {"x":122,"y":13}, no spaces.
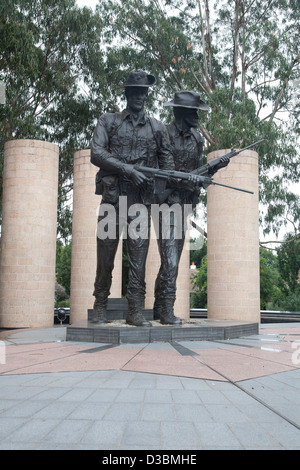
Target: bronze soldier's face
{"x":190,"y":117}
{"x":136,"y":97}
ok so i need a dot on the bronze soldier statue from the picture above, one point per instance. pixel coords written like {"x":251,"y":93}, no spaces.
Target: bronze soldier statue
{"x":120,"y":141}
{"x":187,"y":148}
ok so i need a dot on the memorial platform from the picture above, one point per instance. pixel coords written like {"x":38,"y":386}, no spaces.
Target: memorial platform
{"x":118,"y":332}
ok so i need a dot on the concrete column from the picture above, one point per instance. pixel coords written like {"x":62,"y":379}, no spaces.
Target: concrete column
{"x":29,"y":218}
{"x":182,"y":303}
{"x":84,"y":240}
{"x":233,"y":241}
{"x":152,"y":268}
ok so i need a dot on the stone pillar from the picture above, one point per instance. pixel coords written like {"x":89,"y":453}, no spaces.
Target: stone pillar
{"x":84,"y":241}
{"x":152,"y":268}
{"x":29,"y":219}
{"x":182,"y":303}
{"x":233,"y":241}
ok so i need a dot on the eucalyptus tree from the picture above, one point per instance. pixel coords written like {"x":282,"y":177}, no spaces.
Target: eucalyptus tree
{"x":242,"y":56}
{"x":47,"y":52}
{"x":288,"y":255}
{"x":63,"y":66}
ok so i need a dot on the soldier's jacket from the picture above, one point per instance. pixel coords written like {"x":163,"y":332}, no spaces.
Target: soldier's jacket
{"x":187,"y":150}
{"x":116,"y":141}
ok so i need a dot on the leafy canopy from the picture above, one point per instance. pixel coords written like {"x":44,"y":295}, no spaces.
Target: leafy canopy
{"x":63,"y":66}
{"x":48,"y":50}
{"x":242,"y":57}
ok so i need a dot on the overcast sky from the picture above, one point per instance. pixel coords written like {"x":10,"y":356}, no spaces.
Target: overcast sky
{"x":87,"y":3}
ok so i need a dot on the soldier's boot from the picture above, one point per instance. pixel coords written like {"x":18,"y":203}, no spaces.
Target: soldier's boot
{"x":157,"y":309}
{"x":99,"y":311}
{"x":167,"y":316}
{"x":135,"y":316}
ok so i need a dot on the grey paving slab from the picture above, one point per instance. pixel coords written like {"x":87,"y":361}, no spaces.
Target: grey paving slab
{"x":89,"y":410}
{"x":158,"y":412}
{"x":217,"y":436}
{"x":56,"y":410}
{"x":226,"y":414}
{"x":214,"y":397}
{"x":284,"y":434}
{"x":128,"y":410}
{"x":23,"y":409}
{"x":123,"y":412}
{"x":56,"y":334}
{"x":33,"y":430}
{"x":175,"y":436}
{"x":104,"y":433}
{"x":143,"y":434}
{"x":103,"y":395}
{"x":131,"y":395}
{"x":195,"y":414}
{"x":68,"y":431}
{"x":252,"y":436}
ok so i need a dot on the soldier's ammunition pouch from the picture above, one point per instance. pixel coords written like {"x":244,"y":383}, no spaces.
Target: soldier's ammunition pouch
{"x":108,"y":187}
{"x":98,"y":184}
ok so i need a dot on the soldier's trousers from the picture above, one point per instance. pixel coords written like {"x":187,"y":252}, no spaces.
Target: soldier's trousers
{"x":170,"y":250}
{"x":137,"y":250}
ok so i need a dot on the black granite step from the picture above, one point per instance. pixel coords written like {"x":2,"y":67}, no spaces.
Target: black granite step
{"x":117,"y":332}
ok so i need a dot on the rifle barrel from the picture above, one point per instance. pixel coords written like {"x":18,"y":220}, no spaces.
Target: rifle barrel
{"x":233,"y":187}
{"x":249,"y":146}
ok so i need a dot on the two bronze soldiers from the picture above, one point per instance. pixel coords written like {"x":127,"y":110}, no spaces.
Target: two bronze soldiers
{"x":121,"y":142}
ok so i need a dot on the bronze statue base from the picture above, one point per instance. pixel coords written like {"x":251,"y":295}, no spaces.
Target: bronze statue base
{"x":118,"y":332}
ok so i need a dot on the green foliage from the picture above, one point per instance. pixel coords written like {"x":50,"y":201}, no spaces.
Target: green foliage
{"x":197,"y":255}
{"x":271,"y":284}
{"x":47,"y":52}
{"x":290,"y":303}
{"x":199,"y":280}
{"x":63,"y":265}
{"x":289,"y":262}
{"x":63,"y":303}
{"x":63,"y":66}
{"x":241,"y":58}
{"x":279,"y":289}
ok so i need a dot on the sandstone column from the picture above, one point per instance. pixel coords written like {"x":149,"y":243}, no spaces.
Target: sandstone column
{"x":182,"y":303}
{"x":152,"y":268}
{"x":233,"y":241}
{"x":84,"y":244}
{"x":28,"y":245}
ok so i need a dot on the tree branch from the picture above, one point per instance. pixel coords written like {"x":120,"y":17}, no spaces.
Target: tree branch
{"x":282,"y":242}
{"x":277,"y":102}
{"x":209,"y":44}
{"x":202,"y":30}
{"x":235,"y":45}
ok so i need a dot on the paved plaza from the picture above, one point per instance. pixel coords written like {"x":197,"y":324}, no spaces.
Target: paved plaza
{"x":234,"y":394}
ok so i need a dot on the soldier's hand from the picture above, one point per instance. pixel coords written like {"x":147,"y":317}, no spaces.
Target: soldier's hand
{"x":204,"y":181}
{"x":223,"y":162}
{"x":138,"y":178}
{"x":193,"y":178}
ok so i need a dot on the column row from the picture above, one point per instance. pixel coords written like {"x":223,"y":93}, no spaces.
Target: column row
{"x":28,"y":240}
